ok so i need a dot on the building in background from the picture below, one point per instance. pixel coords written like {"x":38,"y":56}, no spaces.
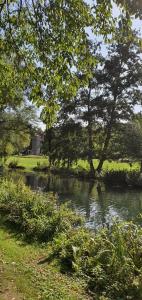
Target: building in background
{"x":36,"y":143}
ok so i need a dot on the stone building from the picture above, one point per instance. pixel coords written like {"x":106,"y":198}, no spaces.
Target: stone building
{"x":36,"y":143}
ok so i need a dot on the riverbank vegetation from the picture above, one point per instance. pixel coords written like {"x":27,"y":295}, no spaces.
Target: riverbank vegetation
{"x":114,"y":173}
{"x":32,"y":161}
{"x":107,"y":259}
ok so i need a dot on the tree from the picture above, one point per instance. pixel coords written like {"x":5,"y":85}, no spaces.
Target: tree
{"x":48,"y":39}
{"x":132,"y":6}
{"x":11,"y":92}
{"x":132,"y":139}
{"x":15,"y":128}
{"x":87,"y":111}
{"x":110,"y":97}
{"x":64,"y":143}
{"x":83,"y":107}
{"x":119,"y":81}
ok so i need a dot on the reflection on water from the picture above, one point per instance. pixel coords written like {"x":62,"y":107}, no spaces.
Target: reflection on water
{"x":92,"y":199}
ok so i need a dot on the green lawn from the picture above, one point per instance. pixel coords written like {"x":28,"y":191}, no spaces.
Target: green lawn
{"x":22,"y":277}
{"x":29,"y":162}
{"x":113,"y":165}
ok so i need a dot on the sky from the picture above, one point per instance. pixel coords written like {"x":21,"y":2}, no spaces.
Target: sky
{"x":136,"y":23}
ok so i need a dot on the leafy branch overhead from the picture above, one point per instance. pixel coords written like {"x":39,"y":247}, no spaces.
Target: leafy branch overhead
{"x":47,"y":41}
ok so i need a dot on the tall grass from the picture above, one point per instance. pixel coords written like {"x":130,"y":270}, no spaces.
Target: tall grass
{"x":110,"y":260}
{"x":37,"y":215}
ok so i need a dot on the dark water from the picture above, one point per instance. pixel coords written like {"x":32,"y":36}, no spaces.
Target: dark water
{"x":96,"y":202}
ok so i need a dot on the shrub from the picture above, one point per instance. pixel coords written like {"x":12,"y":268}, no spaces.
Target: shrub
{"x":38,"y":215}
{"x":41,"y":167}
{"x":134,"y":179}
{"x":110,"y":260}
{"x":14,"y":165}
{"x":115,"y":178}
{"x":82,"y":172}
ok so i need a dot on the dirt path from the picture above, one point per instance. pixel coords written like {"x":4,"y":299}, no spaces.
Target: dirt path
{"x":10,"y":293}
{"x":8,"y":290}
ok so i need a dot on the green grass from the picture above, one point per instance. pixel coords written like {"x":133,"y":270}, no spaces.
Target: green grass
{"x":29,"y":162}
{"x":23,"y":278}
{"x":108,"y":166}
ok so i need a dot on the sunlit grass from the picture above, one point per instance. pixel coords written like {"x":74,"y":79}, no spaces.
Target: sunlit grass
{"x":21,"y":277}
{"x":31,"y":161}
{"x":109,"y":165}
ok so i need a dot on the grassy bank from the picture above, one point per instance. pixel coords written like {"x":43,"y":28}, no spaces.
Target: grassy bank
{"x":24,"y":276}
{"x":30,"y":162}
{"x":108,"y":260}
{"x":113,"y":174}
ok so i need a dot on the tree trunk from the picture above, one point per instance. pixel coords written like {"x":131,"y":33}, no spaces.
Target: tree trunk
{"x":92,"y":170}
{"x":108,"y":137}
{"x":90,"y":137}
{"x":90,"y":152}
{"x":141,"y":166}
{"x":100,"y":165}
{"x":104,"y":151}
{"x":49,"y":138}
{"x":68,"y":163}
